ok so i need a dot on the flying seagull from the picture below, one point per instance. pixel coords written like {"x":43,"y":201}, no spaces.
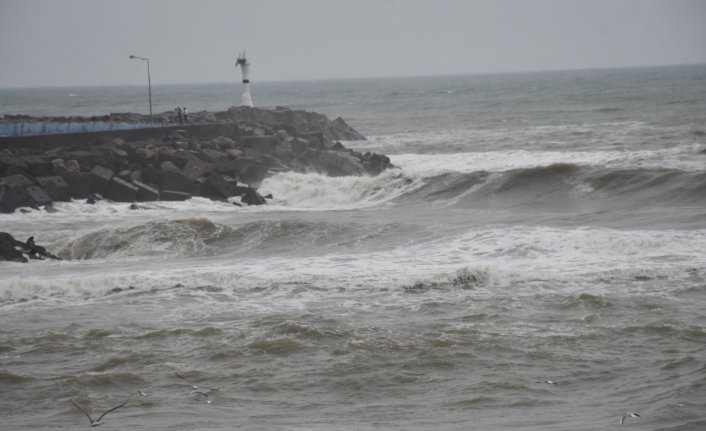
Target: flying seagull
{"x":95,"y":423}
{"x":193,"y":385}
{"x":629,"y":415}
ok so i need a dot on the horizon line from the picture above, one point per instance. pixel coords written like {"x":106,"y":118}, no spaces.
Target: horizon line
{"x":237,"y":81}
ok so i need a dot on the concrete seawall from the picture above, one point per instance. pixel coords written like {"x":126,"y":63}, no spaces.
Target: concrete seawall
{"x":223,"y":155}
{"x":48,"y":142}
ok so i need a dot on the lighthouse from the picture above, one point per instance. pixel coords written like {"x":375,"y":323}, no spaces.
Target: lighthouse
{"x":245,"y":69}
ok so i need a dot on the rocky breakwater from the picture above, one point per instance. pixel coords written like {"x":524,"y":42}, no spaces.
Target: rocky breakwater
{"x":219,"y":155}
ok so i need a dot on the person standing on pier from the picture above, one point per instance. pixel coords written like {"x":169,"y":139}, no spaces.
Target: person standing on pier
{"x":186,"y":115}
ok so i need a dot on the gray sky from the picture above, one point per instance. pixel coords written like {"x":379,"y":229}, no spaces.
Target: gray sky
{"x":87,"y":42}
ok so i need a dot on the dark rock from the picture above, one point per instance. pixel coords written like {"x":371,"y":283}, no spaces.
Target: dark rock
{"x":135,"y":176}
{"x":120,"y":190}
{"x":17,"y":180}
{"x":58,"y":166}
{"x":55,"y":187}
{"x":175,"y":180}
{"x":171,"y":195}
{"x":239,"y":190}
{"x":214,"y":155}
{"x":120,"y":153}
{"x":12,"y":198}
{"x":346,"y":132}
{"x":249,"y":171}
{"x":17,"y":163}
{"x":10,"y":248}
{"x":35,"y":251}
{"x":298,"y":146}
{"x":177,"y":158}
{"x":169,"y":167}
{"x":124,"y":174}
{"x":93,"y":198}
{"x":252,"y":197}
{"x":315,"y":139}
{"x":195,"y":168}
{"x":215,"y":186}
{"x":145,"y":193}
{"x":138,"y":207}
{"x":152,"y":175}
{"x":229,"y":167}
{"x":79,"y":184}
{"x":38,"y":166}
{"x":337,"y":146}
{"x":38,"y":196}
{"x":179,"y":183}
{"x":100,"y":177}
{"x":376,"y":163}
{"x":16,"y":170}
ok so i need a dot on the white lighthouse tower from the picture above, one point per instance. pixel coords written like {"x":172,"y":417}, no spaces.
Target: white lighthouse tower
{"x":245,"y":69}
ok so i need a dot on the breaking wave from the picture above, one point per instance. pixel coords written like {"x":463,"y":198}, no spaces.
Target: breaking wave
{"x":449,"y":180}
{"x":203,"y":237}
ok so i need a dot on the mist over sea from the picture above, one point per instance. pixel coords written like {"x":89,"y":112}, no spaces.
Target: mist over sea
{"x":538,"y":226}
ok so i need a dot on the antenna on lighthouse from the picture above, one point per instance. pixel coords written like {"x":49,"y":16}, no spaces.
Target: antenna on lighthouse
{"x":245,"y":69}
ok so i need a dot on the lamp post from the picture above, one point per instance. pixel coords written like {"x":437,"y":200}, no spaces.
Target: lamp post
{"x":149,"y":83}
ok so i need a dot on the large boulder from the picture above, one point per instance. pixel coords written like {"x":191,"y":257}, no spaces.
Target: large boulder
{"x":252,"y":197}
{"x":10,"y":248}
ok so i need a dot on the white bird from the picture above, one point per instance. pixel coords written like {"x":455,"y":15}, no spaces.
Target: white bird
{"x":549,"y":382}
{"x":628,"y":415}
{"x":97,"y":422}
{"x":195,"y":386}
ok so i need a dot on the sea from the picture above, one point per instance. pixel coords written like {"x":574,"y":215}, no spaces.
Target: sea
{"x":535,"y":260}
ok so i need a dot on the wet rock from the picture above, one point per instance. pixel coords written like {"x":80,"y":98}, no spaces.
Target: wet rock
{"x":79,"y":184}
{"x":55,"y":187}
{"x":145,"y":193}
{"x":196,"y":168}
{"x":247,"y":145}
{"x":38,"y":166}
{"x":216,"y":186}
{"x":15,"y":251}
{"x":93,"y":198}
{"x":100,"y":177}
{"x":252,"y":197}
{"x":12,"y":198}
{"x":10,"y":248}
{"x":171,"y":195}
{"x":120,"y":190}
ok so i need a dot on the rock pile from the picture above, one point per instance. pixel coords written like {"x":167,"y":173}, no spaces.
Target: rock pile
{"x":137,"y":167}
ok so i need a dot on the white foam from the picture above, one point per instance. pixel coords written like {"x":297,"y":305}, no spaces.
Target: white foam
{"x":499,"y":161}
{"x":313,"y":191}
{"x":506,"y":261}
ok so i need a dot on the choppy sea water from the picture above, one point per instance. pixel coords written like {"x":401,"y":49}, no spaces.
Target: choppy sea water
{"x":547,"y":226}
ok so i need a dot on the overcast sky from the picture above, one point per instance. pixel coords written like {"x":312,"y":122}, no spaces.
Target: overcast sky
{"x":87,"y":42}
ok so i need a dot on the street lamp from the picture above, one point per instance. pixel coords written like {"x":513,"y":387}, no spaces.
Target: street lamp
{"x":149,"y":84}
